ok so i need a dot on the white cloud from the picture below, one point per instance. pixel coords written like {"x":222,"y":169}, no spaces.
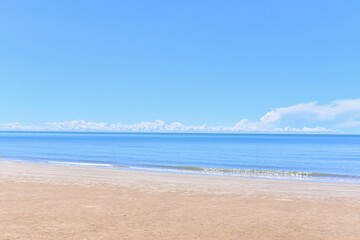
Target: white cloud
{"x":15,"y":127}
{"x":74,"y":125}
{"x":300,"y":118}
{"x":156,"y":126}
{"x":270,"y":117}
{"x":314,"y":111}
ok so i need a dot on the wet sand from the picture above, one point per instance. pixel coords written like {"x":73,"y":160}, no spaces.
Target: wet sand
{"x":41,"y":201}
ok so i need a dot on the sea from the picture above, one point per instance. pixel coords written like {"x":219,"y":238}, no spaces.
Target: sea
{"x":328,"y":158}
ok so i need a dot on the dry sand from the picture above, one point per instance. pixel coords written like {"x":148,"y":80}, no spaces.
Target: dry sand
{"x":40,"y":201}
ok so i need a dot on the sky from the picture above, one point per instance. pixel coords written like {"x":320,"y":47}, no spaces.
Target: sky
{"x":217,"y":66}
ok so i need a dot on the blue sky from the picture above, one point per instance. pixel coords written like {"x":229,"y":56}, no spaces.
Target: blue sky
{"x":217,"y":63}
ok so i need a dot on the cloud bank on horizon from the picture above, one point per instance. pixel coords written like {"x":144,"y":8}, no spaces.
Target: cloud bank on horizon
{"x":337,"y":116}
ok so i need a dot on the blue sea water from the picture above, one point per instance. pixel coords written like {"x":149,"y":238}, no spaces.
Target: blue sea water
{"x":305,"y":157}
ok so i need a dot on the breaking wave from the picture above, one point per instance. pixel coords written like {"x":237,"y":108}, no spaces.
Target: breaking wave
{"x":252,"y":172}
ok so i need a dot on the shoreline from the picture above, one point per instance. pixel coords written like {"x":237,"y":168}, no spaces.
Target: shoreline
{"x":45,"y":201}
{"x":68,"y":174}
{"x":264,"y":174}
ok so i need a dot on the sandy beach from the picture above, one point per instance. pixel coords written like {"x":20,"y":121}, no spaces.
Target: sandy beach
{"x":41,"y":201}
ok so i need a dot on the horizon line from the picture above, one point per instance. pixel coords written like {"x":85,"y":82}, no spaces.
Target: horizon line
{"x":180,"y":132}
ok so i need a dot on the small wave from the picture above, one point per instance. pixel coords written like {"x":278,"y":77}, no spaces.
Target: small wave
{"x":253,"y":172}
{"x":82,"y":164}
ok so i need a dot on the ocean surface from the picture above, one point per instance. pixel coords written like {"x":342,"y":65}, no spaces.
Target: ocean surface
{"x":334,"y":158}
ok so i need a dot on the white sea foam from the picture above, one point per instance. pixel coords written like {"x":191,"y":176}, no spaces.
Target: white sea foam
{"x":310,"y":176}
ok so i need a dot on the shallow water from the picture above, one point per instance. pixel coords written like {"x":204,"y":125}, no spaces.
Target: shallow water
{"x":305,"y":157}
